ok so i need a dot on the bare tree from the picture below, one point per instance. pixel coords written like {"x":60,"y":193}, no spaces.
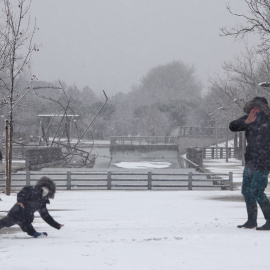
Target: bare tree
{"x":256,"y":22}
{"x":16,"y":36}
{"x":240,"y":83}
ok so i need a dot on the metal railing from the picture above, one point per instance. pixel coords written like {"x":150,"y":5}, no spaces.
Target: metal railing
{"x":210,"y":132}
{"x":144,"y":140}
{"x":219,"y":152}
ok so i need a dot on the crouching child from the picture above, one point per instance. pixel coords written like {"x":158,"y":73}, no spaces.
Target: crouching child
{"x":29,"y":200}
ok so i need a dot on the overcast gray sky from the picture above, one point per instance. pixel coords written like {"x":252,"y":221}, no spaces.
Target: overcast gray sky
{"x":112,"y":44}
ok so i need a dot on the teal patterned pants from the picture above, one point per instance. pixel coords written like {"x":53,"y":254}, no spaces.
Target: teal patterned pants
{"x":254,"y":185}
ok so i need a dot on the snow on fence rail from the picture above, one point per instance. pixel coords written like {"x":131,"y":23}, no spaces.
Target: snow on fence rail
{"x":115,"y":180}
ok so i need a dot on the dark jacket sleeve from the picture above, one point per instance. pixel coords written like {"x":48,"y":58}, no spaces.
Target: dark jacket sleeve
{"x":25,"y":195}
{"x":239,"y":124}
{"x":48,"y":218}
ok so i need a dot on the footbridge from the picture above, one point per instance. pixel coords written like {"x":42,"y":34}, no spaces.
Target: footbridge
{"x":147,"y":143}
{"x":185,"y":137}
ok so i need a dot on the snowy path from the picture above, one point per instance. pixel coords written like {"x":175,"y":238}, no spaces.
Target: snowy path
{"x":138,"y":230}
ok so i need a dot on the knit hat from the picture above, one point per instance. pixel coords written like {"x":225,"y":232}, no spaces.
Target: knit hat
{"x":258,"y":102}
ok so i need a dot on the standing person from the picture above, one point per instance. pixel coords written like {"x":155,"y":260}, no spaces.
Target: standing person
{"x":256,"y":125}
{"x":29,"y":200}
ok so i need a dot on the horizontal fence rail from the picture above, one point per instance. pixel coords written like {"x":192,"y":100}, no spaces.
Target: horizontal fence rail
{"x":120,"y":180}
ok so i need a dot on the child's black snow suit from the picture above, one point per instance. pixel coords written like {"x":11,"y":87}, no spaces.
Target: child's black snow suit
{"x":32,"y":200}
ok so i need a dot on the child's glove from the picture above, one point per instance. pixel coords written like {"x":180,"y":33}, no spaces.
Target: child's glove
{"x":37,"y":234}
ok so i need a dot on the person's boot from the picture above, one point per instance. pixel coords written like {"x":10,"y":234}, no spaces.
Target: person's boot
{"x":266,"y":212}
{"x":252,"y":217}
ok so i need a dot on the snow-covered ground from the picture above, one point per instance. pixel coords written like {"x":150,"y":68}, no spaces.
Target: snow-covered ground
{"x":143,"y":165}
{"x":138,"y":230}
{"x":221,"y":166}
{"x":141,"y":230}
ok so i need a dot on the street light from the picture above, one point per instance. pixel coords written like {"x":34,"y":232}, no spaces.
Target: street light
{"x":216,"y":129}
{"x":227,"y":135}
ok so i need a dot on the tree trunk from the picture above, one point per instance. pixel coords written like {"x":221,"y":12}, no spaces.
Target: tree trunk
{"x":6,"y":157}
{"x":10,"y":149}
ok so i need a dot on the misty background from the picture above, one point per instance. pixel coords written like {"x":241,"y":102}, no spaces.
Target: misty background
{"x":163,"y":64}
{"x":110,"y":45}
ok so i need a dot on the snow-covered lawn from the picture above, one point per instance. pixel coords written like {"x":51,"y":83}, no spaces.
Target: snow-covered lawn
{"x":125,"y":230}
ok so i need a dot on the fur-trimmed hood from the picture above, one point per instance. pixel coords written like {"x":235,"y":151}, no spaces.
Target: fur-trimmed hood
{"x":258,"y":102}
{"x":48,"y":183}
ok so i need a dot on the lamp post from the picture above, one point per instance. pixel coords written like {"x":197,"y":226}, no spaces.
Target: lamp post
{"x":227,"y":134}
{"x":241,"y":143}
{"x":216,"y":137}
{"x":216,"y":115}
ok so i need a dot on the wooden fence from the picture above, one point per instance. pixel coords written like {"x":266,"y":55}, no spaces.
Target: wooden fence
{"x":124,"y":180}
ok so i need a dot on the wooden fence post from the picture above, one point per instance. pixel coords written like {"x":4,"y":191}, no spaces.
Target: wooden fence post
{"x":212,"y":153}
{"x":109,"y":180}
{"x":68,"y":180}
{"x":231,"y":180}
{"x":149,"y":180}
{"x":221,"y":152}
{"x":190,"y":181}
{"x":27,"y":175}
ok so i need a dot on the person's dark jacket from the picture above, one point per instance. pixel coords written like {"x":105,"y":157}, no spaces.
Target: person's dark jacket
{"x":31,"y":198}
{"x":257,"y":153}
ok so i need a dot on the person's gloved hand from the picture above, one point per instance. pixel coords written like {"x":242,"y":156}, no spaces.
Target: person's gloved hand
{"x":37,"y":234}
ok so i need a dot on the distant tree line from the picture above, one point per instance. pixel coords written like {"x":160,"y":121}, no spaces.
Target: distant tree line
{"x":168,"y":96}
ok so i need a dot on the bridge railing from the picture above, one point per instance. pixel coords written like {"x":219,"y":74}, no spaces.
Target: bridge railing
{"x":196,"y":155}
{"x":124,"y":180}
{"x":144,"y":140}
{"x":185,"y":131}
